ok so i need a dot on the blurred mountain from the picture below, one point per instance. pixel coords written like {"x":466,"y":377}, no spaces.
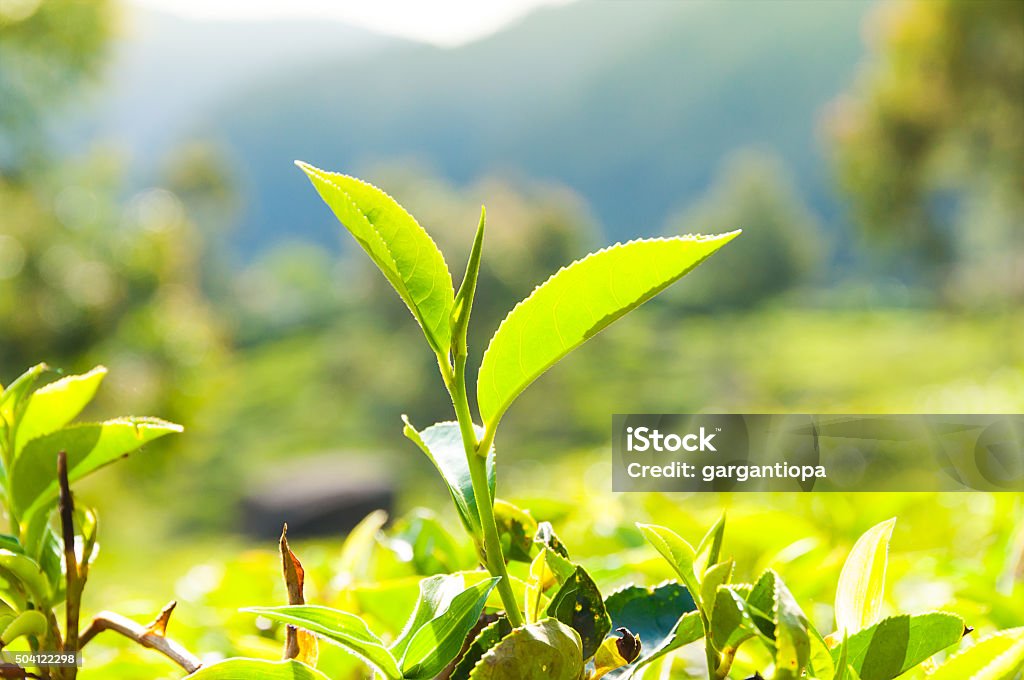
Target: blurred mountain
{"x":165,"y":71}
{"x":631,"y":104}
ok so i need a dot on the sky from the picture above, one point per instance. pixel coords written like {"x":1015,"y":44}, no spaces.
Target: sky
{"x":442,"y":22}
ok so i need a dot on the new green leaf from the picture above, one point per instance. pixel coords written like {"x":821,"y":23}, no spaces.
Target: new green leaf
{"x":89,"y":446}
{"x":862,"y":580}
{"x":436,"y":643}
{"x":717,"y":575}
{"x":436,"y":595}
{"x":792,"y":634}
{"x":677,"y":552}
{"x":343,"y":629}
{"x":491,"y":635}
{"x":731,"y":622}
{"x":442,"y":443}
{"x":575,"y":304}
{"x":897,"y":644}
{"x":23,"y":571}
{"x":710,"y":548}
{"x":463,"y":306}
{"x":997,"y":657}
{"x":55,"y":405}
{"x":398,"y":245}
{"x":14,"y":394}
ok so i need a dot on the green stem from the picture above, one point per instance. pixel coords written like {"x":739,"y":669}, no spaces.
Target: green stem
{"x":726,"y":664}
{"x":709,"y":649}
{"x":495,"y":560}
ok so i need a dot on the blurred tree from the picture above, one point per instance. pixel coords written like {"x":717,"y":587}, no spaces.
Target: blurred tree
{"x":86,"y":276}
{"x":933,"y":127}
{"x":781,"y":244}
{"x":47,"y":50}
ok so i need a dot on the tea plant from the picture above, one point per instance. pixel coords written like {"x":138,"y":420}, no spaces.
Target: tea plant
{"x":482,"y":624}
{"x":556,"y":624}
{"x":41,"y":566}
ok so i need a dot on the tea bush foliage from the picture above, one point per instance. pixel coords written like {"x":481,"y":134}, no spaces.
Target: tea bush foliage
{"x":513,"y":600}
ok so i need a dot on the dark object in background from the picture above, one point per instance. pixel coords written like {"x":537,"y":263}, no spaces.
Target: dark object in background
{"x":318,"y":496}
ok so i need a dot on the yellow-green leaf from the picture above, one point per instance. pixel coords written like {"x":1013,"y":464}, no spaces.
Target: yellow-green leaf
{"x":438,"y":641}
{"x":398,"y":245}
{"x":342,"y":628}
{"x":575,"y":304}
{"x":442,"y":442}
{"x":89,"y":446}
{"x":678,"y":553}
{"x":53,"y":406}
{"x":996,"y":657}
{"x":792,"y":634}
{"x":862,"y":580}
{"x":894,"y":645}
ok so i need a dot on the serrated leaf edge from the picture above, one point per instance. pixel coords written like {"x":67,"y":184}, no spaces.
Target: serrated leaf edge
{"x":727,"y":236}
{"x":1019,"y":631}
{"x":405,"y":295}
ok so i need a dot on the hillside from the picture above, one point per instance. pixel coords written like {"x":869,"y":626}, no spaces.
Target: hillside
{"x":632,"y":105}
{"x":163,"y":71}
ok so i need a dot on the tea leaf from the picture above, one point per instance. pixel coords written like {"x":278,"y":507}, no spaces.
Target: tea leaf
{"x":575,"y":304}
{"x":54,"y":405}
{"x":11,"y":543}
{"x":24,"y":571}
{"x":255,"y":669}
{"x":31,"y":622}
{"x":677,"y":552}
{"x":357,"y":549}
{"x":862,"y":580}
{"x":488,"y":637}
{"x":516,"y":529}
{"x":463,"y":305}
{"x":494,"y":601}
{"x":442,"y":442}
{"x":422,"y":540}
{"x":792,"y":634}
{"x":398,"y":245}
{"x":345,"y":630}
{"x":89,"y":446}
{"x":664,"y":618}
{"x":542,"y":577}
{"x":996,"y":657}
{"x":440,"y":640}
{"x":710,"y":548}
{"x":717,"y":575}
{"x":896,"y":644}
{"x":616,"y":652}
{"x":13,"y":395}
{"x":548,"y":650}
{"x":436,"y":595}
{"x":546,"y":537}
{"x":51,"y":562}
{"x":731,"y":623}
{"x":578,"y":604}
{"x":761,"y":604}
